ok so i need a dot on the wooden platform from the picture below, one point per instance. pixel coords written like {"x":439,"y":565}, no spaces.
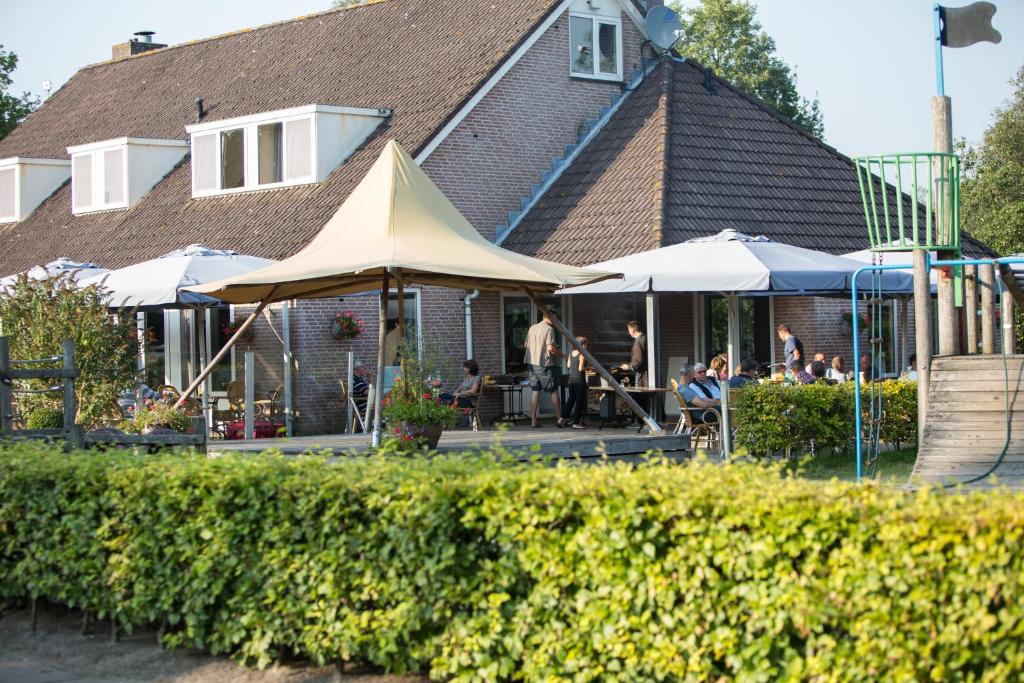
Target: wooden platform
{"x":619,"y":444}
{"x":965,"y":430}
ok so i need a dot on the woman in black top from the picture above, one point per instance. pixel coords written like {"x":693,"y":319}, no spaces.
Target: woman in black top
{"x":576,"y":403}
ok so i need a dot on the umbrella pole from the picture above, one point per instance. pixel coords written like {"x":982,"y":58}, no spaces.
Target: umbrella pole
{"x":381,"y":336}
{"x":732,"y":360}
{"x":653,"y":426}
{"x":223,"y":352}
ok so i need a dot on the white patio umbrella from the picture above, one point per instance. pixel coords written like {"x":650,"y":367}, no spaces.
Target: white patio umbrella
{"x":157,"y":284}
{"x":733,"y":264}
{"x":80,"y":271}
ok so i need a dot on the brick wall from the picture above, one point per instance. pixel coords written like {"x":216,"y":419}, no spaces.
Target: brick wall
{"x":485,"y":167}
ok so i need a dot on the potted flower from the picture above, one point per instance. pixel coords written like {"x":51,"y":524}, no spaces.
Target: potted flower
{"x":862,"y":321}
{"x":229,"y":329}
{"x":346,"y":326}
{"x":414,"y":413}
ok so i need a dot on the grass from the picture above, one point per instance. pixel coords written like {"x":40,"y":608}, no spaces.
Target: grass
{"x":893,"y":466}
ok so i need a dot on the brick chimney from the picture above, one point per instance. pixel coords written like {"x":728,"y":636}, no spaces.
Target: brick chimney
{"x":142,"y":41}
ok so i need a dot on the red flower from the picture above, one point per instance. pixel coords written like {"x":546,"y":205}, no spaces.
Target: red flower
{"x":426,"y":395}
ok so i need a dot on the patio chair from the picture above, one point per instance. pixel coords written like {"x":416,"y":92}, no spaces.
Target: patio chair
{"x":706,"y":433}
{"x":269,"y":407}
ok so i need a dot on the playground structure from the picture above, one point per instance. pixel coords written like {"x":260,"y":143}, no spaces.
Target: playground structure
{"x":967,"y":401}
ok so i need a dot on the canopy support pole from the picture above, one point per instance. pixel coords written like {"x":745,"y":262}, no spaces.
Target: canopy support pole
{"x":732,"y":360}
{"x":381,"y":336}
{"x":223,"y":352}
{"x":651,"y":301}
{"x":653,"y":426}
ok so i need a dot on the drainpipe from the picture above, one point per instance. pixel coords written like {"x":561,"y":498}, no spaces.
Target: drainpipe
{"x":467,"y":303}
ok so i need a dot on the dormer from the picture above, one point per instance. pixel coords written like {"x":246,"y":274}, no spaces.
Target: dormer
{"x":277,"y":149}
{"x":26,"y":182}
{"x":114,"y":174}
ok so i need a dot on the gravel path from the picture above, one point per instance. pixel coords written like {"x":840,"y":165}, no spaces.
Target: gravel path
{"x":58,"y":653}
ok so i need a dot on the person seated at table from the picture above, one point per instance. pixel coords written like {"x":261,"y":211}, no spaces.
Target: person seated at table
{"x":746,"y":375}
{"x":360,"y":382}
{"x":868,"y":373}
{"x":705,"y":382}
{"x":576,"y":402}
{"x":837,"y":372}
{"x":699,"y":402}
{"x":817,"y":356}
{"x":818,"y":373}
{"x":717,"y":368}
{"x":910,"y":374}
{"x":469,"y":391}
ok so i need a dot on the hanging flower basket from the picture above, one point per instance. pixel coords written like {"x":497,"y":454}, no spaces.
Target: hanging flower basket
{"x":863,"y":322}
{"x":229,"y":330}
{"x":346,"y":326}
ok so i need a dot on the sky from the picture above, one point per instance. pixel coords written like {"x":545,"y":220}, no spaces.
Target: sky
{"x":870,"y":62}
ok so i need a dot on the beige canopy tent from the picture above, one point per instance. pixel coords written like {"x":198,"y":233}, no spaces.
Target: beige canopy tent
{"x":398,"y":225}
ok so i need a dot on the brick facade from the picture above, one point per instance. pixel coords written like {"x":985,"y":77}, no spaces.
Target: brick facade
{"x":485,"y":168}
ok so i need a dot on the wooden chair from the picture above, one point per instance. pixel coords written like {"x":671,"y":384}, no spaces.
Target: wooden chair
{"x":706,"y":433}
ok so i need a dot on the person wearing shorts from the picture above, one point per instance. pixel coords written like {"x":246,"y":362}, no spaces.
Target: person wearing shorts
{"x":542,"y":356}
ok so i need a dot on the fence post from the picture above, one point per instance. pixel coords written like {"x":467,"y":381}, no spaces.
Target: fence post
{"x":199,"y":427}
{"x":6,"y":408}
{"x":250,"y":395}
{"x":74,"y":435}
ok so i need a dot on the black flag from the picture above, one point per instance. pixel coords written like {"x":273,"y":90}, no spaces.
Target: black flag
{"x":963,"y":26}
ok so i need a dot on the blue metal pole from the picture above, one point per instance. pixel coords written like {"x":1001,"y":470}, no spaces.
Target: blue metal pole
{"x":940,"y":85}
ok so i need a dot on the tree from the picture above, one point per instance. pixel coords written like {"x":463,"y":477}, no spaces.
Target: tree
{"x":12,"y":109}
{"x":347,"y":3}
{"x":992,"y":178}
{"x":37,"y":314}
{"x":726,"y":36}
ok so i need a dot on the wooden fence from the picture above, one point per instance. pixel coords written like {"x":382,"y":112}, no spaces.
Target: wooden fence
{"x":71,"y":432}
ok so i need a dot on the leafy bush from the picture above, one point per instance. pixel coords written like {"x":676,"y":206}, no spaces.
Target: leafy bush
{"x":774,"y":417}
{"x":37,"y":314}
{"x":158,"y":414}
{"x":45,"y":417}
{"x":483,"y":571}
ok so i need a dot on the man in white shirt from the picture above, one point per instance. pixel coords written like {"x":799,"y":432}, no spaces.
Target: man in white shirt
{"x":541,"y":355}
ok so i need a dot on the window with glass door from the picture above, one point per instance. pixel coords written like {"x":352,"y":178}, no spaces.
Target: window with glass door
{"x":595,"y":49}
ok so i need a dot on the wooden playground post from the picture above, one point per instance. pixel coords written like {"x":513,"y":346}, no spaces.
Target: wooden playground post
{"x":986,"y":277}
{"x":971,"y":308}
{"x":1009,"y":321}
{"x":942,"y":140}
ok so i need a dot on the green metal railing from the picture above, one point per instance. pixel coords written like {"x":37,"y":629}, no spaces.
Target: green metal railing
{"x":911,"y":201}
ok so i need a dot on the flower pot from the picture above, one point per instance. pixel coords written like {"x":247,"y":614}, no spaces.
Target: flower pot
{"x":430,"y":433}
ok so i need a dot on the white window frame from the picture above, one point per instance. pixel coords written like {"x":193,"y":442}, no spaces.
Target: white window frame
{"x":393,"y":296}
{"x":97,"y":155}
{"x":15,"y":191}
{"x":251,"y":124}
{"x":596,"y":20}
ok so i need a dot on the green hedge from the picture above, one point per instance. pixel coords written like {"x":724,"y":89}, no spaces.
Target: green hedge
{"x":483,"y":571}
{"x":774,"y":417}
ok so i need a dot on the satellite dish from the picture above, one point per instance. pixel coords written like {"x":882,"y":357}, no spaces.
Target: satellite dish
{"x":663,"y":27}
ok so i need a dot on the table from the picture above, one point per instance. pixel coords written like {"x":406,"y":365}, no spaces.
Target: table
{"x":512,"y":397}
{"x":644,"y":396}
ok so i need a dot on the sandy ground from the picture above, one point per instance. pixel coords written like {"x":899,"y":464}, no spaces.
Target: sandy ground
{"x":59,"y":653}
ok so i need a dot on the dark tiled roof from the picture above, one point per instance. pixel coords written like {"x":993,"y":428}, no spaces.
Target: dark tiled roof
{"x":731,"y":163}
{"x":421,"y":58}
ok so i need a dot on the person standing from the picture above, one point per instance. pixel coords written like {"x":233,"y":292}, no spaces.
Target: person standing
{"x":541,"y":355}
{"x":576,"y":402}
{"x":794,"y":348}
{"x":638,"y":355}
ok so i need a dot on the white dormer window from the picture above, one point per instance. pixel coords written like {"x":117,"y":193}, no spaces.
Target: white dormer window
{"x":277,"y":149}
{"x":114,"y":174}
{"x":595,"y":46}
{"x":26,"y":182}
